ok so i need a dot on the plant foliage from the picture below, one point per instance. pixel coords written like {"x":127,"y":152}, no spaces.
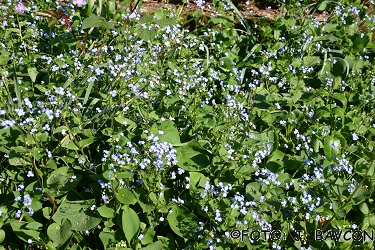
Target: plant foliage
{"x":125,"y":130}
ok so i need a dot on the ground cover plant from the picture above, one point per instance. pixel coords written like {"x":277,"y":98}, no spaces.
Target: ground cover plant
{"x":125,"y":130}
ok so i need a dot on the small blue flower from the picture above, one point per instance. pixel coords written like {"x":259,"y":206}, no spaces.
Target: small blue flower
{"x":27,"y":200}
{"x":335,"y":144}
{"x":18,"y":213}
{"x":105,"y":198}
{"x":31,"y":211}
{"x":30,"y":174}
{"x":113,"y":93}
{"x":173,"y":175}
{"x":261,"y":199}
{"x":355,"y":137}
{"x":20,"y":187}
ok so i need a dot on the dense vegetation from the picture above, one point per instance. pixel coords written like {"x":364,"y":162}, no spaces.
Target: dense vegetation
{"x":125,"y":130}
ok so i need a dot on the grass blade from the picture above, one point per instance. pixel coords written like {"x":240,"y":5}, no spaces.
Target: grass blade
{"x":17,"y":87}
{"x":88,"y":91}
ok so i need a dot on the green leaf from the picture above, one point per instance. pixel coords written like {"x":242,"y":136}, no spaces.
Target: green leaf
{"x":124,"y":175}
{"x":88,"y":91}
{"x":107,"y":211}
{"x":168,"y":242}
{"x":275,"y":167}
{"x":253,"y":190}
{"x":359,"y":43}
{"x":340,"y":112}
{"x":61,"y":180}
{"x":86,"y":142}
{"x":311,"y":60}
{"x":360,"y":195}
{"x":47,"y":212}
{"x":145,"y":34}
{"x":108,"y":238}
{"x":364,"y":208}
{"x":284,"y":178}
{"x":340,"y":137}
{"x":4,"y":59}
{"x":90,"y":5}
{"x":361,"y":166}
{"x":16,"y":159}
{"x":2,"y":235}
{"x":50,"y":246}
{"x":340,"y":189}
{"x":72,"y":145}
{"x":226,"y":62}
{"x":371,"y":219}
{"x":370,"y":171}
{"x":60,"y":129}
{"x":170,"y":133}
{"x":193,"y":157}
{"x":341,"y":98}
{"x":337,"y":82}
{"x":37,"y":153}
{"x":60,"y":234}
{"x":214,"y":20}
{"x":92,"y":21}
{"x":108,"y":25}
{"x":125,"y":196}
{"x":277,"y":45}
{"x":336,"y":208}
{"x":330,"y":27}
{"x":194,"y":178}
{"x":332,"y":147}
{"x":323,"y":5}
{"x":79,"y":213}
{"x":317,"y":144}
{"x":40,"y":87}
{"x":157,"y":245}
{"x":147,"y":208}
{"x":130,"y":223}
{"x":183,"y":222}
{"x":166,"y":21}
{"x":83,"y":222}
{"x":146,"y":19}
{"x":340,"y":68}
{"x":34,"y":225}
{"x":19,"y":228}
{"x":321,"y":112}
{"x":51,"y":164}
{"x":33,"y":73}
{"x":111,"y":7}
{"x":125,"y":121}
{"x":43,"y":136}
{"x":277,"y":155}
{"x":148,"y":236}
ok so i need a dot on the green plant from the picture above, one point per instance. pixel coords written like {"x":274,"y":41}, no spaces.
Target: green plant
{"x":128,"y":131}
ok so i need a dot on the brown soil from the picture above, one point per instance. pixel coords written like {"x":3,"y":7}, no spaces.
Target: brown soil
{"x":248,"y":11}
